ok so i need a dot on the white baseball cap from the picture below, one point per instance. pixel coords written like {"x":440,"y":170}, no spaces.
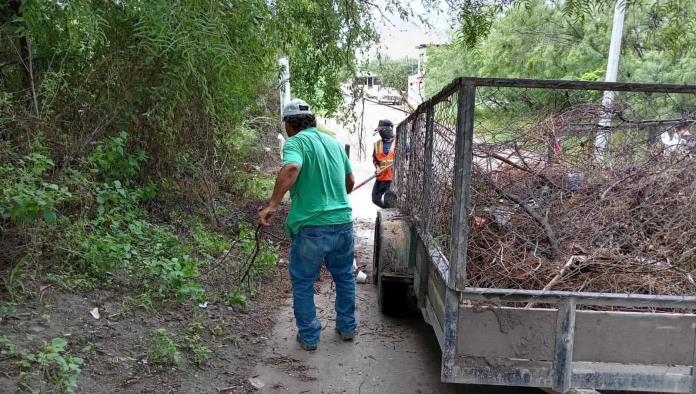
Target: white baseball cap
{"x":296,"y":107}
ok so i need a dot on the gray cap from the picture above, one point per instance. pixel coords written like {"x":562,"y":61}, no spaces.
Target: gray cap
{"x":296,"y":107}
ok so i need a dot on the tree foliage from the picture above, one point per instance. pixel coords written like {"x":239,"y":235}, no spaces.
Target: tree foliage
{"x":110,"y":110}
{"x":321,"y":39}
{"x":157,"y":68}
{"x":539,"y":41}
{"x":674,"y":17}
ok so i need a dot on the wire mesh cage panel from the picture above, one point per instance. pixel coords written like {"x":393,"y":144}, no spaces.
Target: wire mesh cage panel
{"x":571,"y":188}
{"x":441,"y":193}
{"x":573,"y":191}
{"x":410,"y":167}
{"x":424,"y":169}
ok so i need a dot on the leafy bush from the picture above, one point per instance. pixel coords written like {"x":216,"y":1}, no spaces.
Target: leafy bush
{"x":110,"y":159}
{"x":199,"y":351}
{"x":118,"y":235}
{"x":164,"y":350}
{"x":237,"y":298}
{"x":60,"y":366}
{"x":200,"y":354}
{"x":53,"y":361}
{"x":257,"y":186}
{"x":206,"y":242}
{"x":112,"y":229}
{"x":177,"y":275}
{"x":25,"y":195}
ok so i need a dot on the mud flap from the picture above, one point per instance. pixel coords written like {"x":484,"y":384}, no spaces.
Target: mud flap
{"x":392,"y":272}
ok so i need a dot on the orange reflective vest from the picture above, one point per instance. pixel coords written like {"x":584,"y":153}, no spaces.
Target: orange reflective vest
{"x":385,"y":160}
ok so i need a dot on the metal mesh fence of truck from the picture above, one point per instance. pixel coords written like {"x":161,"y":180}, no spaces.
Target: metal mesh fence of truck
{"x":570,"y":188}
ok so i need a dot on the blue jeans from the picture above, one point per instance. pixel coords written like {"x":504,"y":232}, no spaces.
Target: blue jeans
{"x":311,"y":246}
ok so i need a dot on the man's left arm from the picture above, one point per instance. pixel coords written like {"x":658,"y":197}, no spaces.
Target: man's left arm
{"x":350,"y":183}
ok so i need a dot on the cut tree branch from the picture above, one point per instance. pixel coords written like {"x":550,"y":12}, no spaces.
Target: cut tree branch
{"x":548,"y":231}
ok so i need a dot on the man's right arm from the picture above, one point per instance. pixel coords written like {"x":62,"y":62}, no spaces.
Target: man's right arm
{"x":286,"y":178}
{"x":292,"y":164}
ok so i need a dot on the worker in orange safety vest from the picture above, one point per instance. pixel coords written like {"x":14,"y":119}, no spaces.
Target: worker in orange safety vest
{"x":383,"y":157}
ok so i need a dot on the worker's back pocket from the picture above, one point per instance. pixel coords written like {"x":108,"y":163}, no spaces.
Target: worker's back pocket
{"x":312,"y":233}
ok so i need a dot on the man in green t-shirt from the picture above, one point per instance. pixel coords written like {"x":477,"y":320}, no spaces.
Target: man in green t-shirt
{"x":319,"y":177}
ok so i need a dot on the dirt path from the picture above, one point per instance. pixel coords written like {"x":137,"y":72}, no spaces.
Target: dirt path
{"x":375,"y":362}
{"x":388,"y":356}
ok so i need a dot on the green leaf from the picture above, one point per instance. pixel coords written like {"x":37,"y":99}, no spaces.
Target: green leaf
{"x":59,"y":343}
{"x":49,"y":216}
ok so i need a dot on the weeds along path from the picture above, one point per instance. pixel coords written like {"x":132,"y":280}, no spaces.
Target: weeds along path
{"x":51,"y":339}
{"x":133,"y":347}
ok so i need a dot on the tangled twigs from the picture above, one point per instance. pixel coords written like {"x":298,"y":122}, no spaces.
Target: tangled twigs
{"x":553,"y":241}
{"x":559,"y":275}
{"x":550,"y":207}
{"x":254,"y":254}
{"x":639,"y":239}
{"x":526,"y":168}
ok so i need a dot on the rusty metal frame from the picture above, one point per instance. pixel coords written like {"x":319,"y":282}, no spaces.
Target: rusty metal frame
{"x":551,"y":84}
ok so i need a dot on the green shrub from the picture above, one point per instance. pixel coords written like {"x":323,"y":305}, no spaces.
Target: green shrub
{"x":119,"y":235}
{"x":237,"y":298}
{"x":164,"y":350}
{"x":53,"y":361}
{"x":58,"y":365}
{"x":109,"y":158}
{"x":25,"y":195}
{"x":206,"y":242}
{"x":257,"y":186}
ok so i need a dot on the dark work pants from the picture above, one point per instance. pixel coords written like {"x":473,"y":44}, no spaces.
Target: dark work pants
{"x":378,"y":191}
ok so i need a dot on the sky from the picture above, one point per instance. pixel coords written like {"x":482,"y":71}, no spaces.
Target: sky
{"x":399,"y":38}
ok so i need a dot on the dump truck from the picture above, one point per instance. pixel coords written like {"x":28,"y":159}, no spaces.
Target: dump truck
{"x":484,"y":158}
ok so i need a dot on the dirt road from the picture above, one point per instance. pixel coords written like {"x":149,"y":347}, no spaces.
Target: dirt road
{"x":385,"y":350}
{"x":388,"y":356}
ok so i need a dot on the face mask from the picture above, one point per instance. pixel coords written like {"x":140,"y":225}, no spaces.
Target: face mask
{"x":386,"y":133}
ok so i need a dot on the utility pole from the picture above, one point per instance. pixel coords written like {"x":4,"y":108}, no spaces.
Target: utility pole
{"x":602,"y":138}
{"x":284,"y":84}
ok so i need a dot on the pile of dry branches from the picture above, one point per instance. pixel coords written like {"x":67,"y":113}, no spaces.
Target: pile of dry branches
{"x":621,"y":221}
